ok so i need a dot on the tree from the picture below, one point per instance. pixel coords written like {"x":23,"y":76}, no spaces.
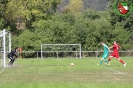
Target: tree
{"x":3,"y":23}
{"x":56,"y":30}
{"x":124,"y":22}
{"x":21,"y":13}
{"x":89,"y":29}
{"x":75,"y":6}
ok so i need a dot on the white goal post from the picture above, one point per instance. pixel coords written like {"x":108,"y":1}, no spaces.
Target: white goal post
{"x":61,"y":48}
{"x":5,"y":46}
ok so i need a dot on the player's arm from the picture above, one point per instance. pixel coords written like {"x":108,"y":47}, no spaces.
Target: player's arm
{"x":111,"y":47}
{"x":102,"y":50}
{"x":14,"y":54}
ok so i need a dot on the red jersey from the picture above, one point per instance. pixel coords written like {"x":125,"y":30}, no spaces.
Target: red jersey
{"x":116,"y":48}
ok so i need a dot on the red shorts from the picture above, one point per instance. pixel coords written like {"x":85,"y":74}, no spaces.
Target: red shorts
{"x":115,"y":55}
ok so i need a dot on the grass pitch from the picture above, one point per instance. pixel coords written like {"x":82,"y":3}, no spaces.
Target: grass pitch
{"x":57,"y":73}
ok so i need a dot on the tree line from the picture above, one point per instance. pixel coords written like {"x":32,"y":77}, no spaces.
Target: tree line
{"x":36,"y":22}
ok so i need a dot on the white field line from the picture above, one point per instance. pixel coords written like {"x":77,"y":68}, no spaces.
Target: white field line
{"x":116,"y":71}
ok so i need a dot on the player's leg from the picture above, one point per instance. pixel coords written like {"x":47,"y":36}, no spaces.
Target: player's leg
{"x":109,"y":59}
{"x":10,"y":61}
{"x":103,"y":59}
{"x":110,"y":56}
{"x":120,"y":60}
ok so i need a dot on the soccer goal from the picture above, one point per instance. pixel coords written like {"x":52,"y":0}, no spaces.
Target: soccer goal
{"x":5,"y":46}
{"x":61,"y":50}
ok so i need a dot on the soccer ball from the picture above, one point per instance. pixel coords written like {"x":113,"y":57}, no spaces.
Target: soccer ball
{"x":72,"y":64}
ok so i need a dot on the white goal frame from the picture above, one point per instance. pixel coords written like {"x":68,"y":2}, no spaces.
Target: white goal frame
{"x":42,"y":51}
{"x":3,"y":34}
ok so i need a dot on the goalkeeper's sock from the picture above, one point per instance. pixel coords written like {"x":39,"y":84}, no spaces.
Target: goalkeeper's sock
{"x":9,"y":63}
{"x":101,"y":62}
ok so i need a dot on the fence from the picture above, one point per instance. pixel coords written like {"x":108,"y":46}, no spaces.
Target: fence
{"x":61,"y":54}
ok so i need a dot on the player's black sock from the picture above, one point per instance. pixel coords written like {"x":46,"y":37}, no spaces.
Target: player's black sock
{"x":12,"y":61}
{"x":9,"y":63}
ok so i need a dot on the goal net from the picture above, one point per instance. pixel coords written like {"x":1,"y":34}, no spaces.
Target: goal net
{"x":5,"y":47}
{"x":61,"y":50}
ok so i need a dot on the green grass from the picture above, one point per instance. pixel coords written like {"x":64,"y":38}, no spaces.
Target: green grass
{"x":57,"y":73}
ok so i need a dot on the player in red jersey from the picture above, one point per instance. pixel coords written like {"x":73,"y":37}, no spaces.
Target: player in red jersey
{"x":116,"y":53}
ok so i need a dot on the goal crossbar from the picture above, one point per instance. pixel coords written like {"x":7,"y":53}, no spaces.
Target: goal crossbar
{"x":61,"y":44}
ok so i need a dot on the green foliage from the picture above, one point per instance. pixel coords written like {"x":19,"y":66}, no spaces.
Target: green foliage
{"x":36,"y":22}
{"x":24,"y":13}
{"x":88,"y":29}
{"x":24,"y":40}
{"x":74,"y":7}
{"x":2,"y":6}
{"x":1,"y":24}
{"x":2,"y":9}
{"x":123,"y":24}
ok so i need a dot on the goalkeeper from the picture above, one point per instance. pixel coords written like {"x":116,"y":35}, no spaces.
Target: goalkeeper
{"x":105,"y":54}
{"x":12,"y":56}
